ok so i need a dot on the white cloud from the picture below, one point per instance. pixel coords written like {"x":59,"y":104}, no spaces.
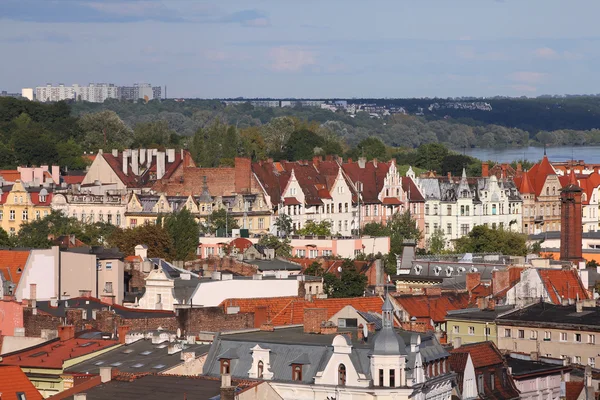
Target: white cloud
{"x":291,"y":59}
{"x":469,"y":53}
{"x":524,"y":88}
{"x":528,"y":77}
{"x":545,"y":52}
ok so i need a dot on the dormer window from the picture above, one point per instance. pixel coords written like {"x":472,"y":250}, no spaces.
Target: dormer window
{"x":225,"y":366}
{"x":42,"y":198}
{"x":342,"y":375}
{"x":297,"y":372}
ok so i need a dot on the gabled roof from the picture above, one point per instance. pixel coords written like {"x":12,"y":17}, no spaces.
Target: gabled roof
{"x":483,"y":354}
{"x":274,"y":305}
{"x":15,"y":381}
{"x":562,"y":284}
{"x":371,"y":177}
{"x":524,"y":184}
{"x":458,"y":364}
{"x":574,"y":389}
{"x":412,"y":191}
{"x":12,"y":264}
{"x":433,"y":307}
{"x":538,"y":174}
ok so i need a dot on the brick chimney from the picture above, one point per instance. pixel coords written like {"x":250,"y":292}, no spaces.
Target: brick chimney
{"x":122,"y":333}
{"x":260,"y":316}
{"x":313,"y":317}
{"x":66,"y":332}
{"x":227,"y":390}
{"x":85,"y":293}
{"x":571,"y":224}
{"x":473,"y":279}
{"x":500,"y":281}
{"x":485,"y":169}
{"x":243,"y":174}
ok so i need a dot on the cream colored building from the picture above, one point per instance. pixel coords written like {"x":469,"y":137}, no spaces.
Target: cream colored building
{"x":20,"y":203}
{"x":473,"y":325}
{"x":569,"y":332}
{"x":91,"y":208}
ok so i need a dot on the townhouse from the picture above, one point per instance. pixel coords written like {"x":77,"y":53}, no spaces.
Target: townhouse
{"x":455,"y":205}
{"x":21,"y":203}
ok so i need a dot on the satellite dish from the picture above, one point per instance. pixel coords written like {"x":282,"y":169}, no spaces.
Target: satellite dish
{"x":340,"y":268}
{"x":365,"y":332}
{"x":178,"y":332}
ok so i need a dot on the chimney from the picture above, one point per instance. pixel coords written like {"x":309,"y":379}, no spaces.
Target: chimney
{"x":141,"y":250}
{"x":375,"y":162}
{"x":33,"y":291}
{"x":588,"y":377}
{"x":360,"y":333}
{"x":142,"y":156}
{"x":160,"y":164}
{"x":78,"y":396}
{"x":362,"y":162}
{"x":473,"y":279}
{"x":105,"y":374}
{"x":243,"y":173}
{"x":170,"y":155}
{"x":66,"y":332}
{"x":227,"y":391}
{"x":56,"y":174}
{"x":122,"y":333}
{"x":267,"y":327}
{"x":135,"y":158}
{"x":316,"y":161}
{"x":449,"y":175}
{"x":115,"y":153}
{"x":313,"y":317}
{"x":519,"y":167}
{"x":579,"y":306}
{"x":485,"y":169}
{"x":126,"y":161}
{"x":500,"y":281}
{"x":534,"y":355}
{"x":456,"y":342}
{"x":149,"y":154}
{"x":85,"y":293}
{"x":504,"y":167}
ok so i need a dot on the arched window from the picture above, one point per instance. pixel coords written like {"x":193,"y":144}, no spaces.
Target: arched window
{"x":260,"y":369}
{"x":225,"y":363}
{"x":297,"y":372}
{"x":553,"y":190}
{"x":342,"y":375}
{"x":547,"y":191}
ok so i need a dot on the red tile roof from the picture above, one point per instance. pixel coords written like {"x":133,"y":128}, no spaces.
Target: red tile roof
{"x":14,"y":381}
{"x":539,"y":173}
{"x":10,"y":263}
{"x":562,"y":284}
{"x":574,"y":389}
{"x":458,"y":364}
{"x":290,"y":310}
{"x":587,"y":183}
{"x":371,"y":177}
{"x":53,"y":354}
{"x":10,"y":175}
{"x":483,"y":354}
{"x":391,"y":201}
{"x":434,"y":307}
{"x":291,"y":201}
{"x":73,"y":179}
{"x":523,"y":183}
{"x":411,"y":190}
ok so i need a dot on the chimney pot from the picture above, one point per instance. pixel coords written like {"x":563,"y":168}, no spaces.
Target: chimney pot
{"x":105,"y":374}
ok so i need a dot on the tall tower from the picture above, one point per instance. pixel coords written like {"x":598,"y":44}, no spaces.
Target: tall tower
{"x":571,"y":227}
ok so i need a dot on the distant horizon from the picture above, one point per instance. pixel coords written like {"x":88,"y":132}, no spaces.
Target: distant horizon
{"x":383,"y":49}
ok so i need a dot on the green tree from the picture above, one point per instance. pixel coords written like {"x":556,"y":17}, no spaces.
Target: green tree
{"x":5,"y":239}
{"x":483,"y":239}
{"x":220,"y":220}
{"x":70,"y":155}
{"x":375,"y":229}
{"x":370,"y":148}
{"x":283,"y":224}
{"x":322,"y":228}
{"x":437,"y":242}
{"x":314,"y":269}
{"x":183,"y":230}
{"x":35,"y":233}
{"x":402,"y":227}
{"x":154,"y":236}
{"x":351,"y":283}
{"x":281,"y":246}
{"x":276,"y":133}
{"x":431,"y":155}
{"x":302,"y":145}
{"x":152,"y":134}
{"x":104,"y":130}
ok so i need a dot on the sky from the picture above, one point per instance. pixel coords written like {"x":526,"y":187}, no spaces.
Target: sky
{"x":307,"y":48}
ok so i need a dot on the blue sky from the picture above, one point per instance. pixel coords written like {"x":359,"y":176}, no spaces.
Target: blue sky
{"x":308,"y":48}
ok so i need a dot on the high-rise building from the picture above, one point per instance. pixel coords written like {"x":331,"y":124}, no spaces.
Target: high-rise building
{"x":27,"y":93}
{"x":95,"y":93}
{"x":144,"y":91}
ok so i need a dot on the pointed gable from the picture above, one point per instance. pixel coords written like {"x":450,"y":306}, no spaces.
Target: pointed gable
{"x":562,"y":284}
{"x":539,"y":173}
{"x":371,"y":175}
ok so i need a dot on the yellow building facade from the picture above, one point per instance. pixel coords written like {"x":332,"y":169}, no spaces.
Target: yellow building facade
{"x":21,"y":204}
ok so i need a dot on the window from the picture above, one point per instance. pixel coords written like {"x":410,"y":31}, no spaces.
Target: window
{"x":2,"y":215}
{"x":456,"y":329}
{"x":449,"y":229}
{"x":37,"y":214}
{"x":577,"y":337}
{"x":592,"y":362}
{"x":547,"y":336}
{"x":327,"y":253}
{"x":492,"y":381}
{"x":521,"y":334}
{"x":426,"y":209}
{"x":118,"y":219}
{"x":92,"y":217}
{"x":225,"y":366}
{"x":493,"y":209}
{"x":83,"y":217}
{"x":471,"y":330}
{"x":133,"y":222}
{"x":11,"y":215}
{"x":427,"y":229}
{"x":261,"y":367}
{"x":533,"y":335}
{"x":381,"y":377}
{"x":435,"y":209}
{"x":300,"y":253}
{"x":488,"y":331}
{"x":376,"y":210}
{"x":346,"y":207}
{"x":507,"y":333}
{"x":108,"y":265}
{"x":313,"y":253}
{"x":449,"y":210}
{"x":577,"y":360}
{"x":210,"y":251}
{"x":293,"y":191}
{"x":342,"y":375}
{"x":108,"y":287}
{"x":592,"y":339}
{"x":347,"y":322}
{"x":339,"y":207}
{"x":480,"y":387}
{"x":563,"y":336}
{"x":392,"y":378}
{"x":297,"y":372}
{"x":261,"y":223}
{"x":21,"y":396}
{"x":339,"y":226}
{"x":462,"y":210}
{"x":464,"y":229}
{"x":109,"y":218}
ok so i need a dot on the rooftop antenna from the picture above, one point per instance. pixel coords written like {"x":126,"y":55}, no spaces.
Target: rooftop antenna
{"x":544,"y":149}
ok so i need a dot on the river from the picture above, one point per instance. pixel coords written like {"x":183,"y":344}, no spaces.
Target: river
{"x":590,"y":154}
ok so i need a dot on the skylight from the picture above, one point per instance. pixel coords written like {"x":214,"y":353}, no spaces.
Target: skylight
{"x":161,"y":346}
{"x":138,"y":365}
{"x":145,"y":353}
{"x":116,"y":364}
{"x":86,"y":344}
{"x":99,"y":363}
{"x":127,"y":351}
{"x":159,"y":366}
